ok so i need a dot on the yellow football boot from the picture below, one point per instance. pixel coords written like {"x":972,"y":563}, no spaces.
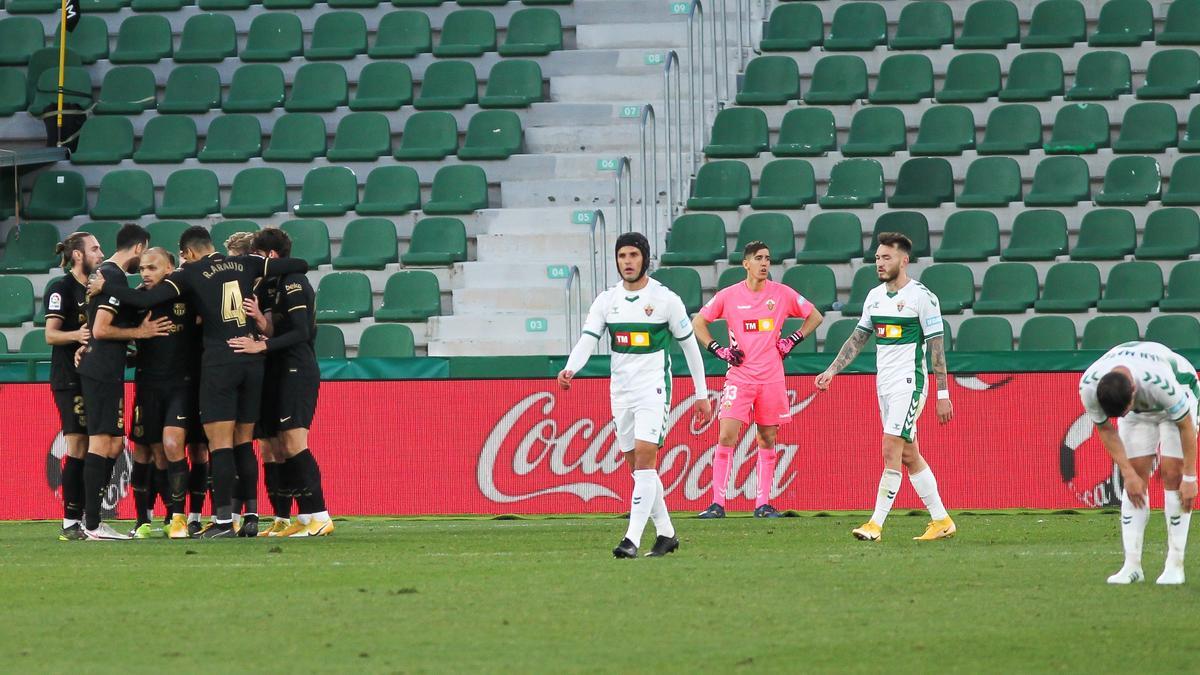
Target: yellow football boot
{"x":868,"y":532}
{"x":277,"y":526}
{"x":178,"y":528}
{"x":938,"y":529}
{"x":296,"y":528}
{"x":316,"y":528}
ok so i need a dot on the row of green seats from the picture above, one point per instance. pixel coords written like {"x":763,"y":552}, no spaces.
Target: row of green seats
{"x":92,"y":6}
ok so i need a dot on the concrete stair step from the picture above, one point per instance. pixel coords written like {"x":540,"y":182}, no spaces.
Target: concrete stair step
{"x":513,"y":299}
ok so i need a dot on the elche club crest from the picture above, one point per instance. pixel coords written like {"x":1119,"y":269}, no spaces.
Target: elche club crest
{"x":770,"y":304}
{"x":900,"y":306}
{"x":649,"y":309}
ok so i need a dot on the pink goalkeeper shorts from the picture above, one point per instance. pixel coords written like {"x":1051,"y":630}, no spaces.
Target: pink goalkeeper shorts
{"x":769,"y":403}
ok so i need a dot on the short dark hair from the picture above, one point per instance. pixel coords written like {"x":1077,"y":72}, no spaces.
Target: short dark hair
{"x":1114,"y":392}
{"x":897,"y":239}
{"x":131,"y":235}
{"x":272,"y":239}
{"x":753,"y":248}
{"x":195,"y":237}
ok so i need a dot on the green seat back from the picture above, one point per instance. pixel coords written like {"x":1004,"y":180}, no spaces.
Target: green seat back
{"x":257,"y":87}
{"x":1170,"y":234}
{"x":1069,"y":287}
{"x":142,"y":38}
{"x":876,"y":130}
{"x":437,"y":241}
{"x":857,"y":26}
{"x":1183,"y":288}
{"x":368,"y":243}
{"x":785,"y":184}
{"x":318,"y":87}
{"x":127,"y":90}
{"x":389,"y":341}
{"x":402,"y":34}
{"x":990,"y":24}
{"x":1040,"y":234}
{"x":1182,"y":26}
{"x":126,"y":194}
{"x":232,"y":138}
{"x":1123,"y":23}
{"x":837,"y":334}
{"x":297,"y":137}
{"x":343,"y":297}
{"x":361,"y":137}
{"x":1056,"y":23}
{"x":513,"y":83}
{"x":429,"y":135}
{"x":259,"y":192}
{"x":457,"y":189}
{"x":167,"y":139}
{"x":448,"y":85}
{"x":924,"y":25}
{"x":970,"y":78}
{"x":383,"y":85}
{"x":806,"y":132}
{"x":1148,"y":127}
{"x":1172,"y":73}
{"x":738,"y":132}
{"x":104,"y":140}
{"x":865,"y":278}
{"x":815,"y":282}
{"x":1007,"y":288}
{"x":969,"y":236}
{"x":1106,"y":332}
{"x":695,"y":239}
{"x":984,"y":334}
{"x":1101,"y":75}
{"x":1105,"y":234}
{"x":773,"y":229}
{"x":923,"y":182}
{"x":1033,"y":76}
{"x":903,"y":78}
{"x":16,"y":302}
{"x":57,"y":195}
{"x":390,"y":190}
{"x":721,"y":185}
{"x":953,"y":284}
{"x":533,"y":32}
{"x":1131,"y":180}
{"x":310,"y":240}
{"x":275,"y":36}
{"x":838,"y":79}
{"x":327,"y":191}
{"x":1079,"y":128}
{"x":834,"y":237}
{"x":207,"y":38}
{"x":1177,"y":332}
{"x":467,"y":32}
{"x":793,"y":27}
{"x":854,"y":183}
{"x":410,"y":296}
{"x":1132,"y":287}
{"x":1183,"y":188}
{"x":166,"y":233}
{"x":20,"y":36}
{"x":492,"y":134}
{"x":29,"y":248}
{"x":337,"y":35}
{"x":945,"y":130}
{"x":911,"y":224}
{"x":330,"y":342}
{"x":991,"y":181}
{"x":1059,"y":181}
{"x":194,"y":89}
{"x":770,"y":80}
{"x":1012,"y":130}
{"x":684,"y":282}
{"x":1047,"y":333}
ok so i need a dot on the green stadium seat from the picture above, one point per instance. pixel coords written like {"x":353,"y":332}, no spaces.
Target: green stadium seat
{"x":969,"y":236}
{"x":165,"y":234}
{"x":1033,"y":76}
{"x":1069,"y":287}
{"x":127,"y":90}
{"x":32,"y":6}
{"x":1191,"y":135}
{"x":1123,"y":23}
{"x":1101,"y":75}
{"x":903,"y":78}
{"x":1105,"y":234}
{"x":785,"y":184}
{"x":1183,"y":188}
{"x":13,"y":91}
{"x":832,"y":238}
{"x":533,"y":32}
{"x":20,"y":36}
{"x":1106,"y":332}
{"x":991,"y":181}
{"x":297,"y":137}
{"x":207,"y":38}
{"x":1175,"y":331}
{"x":839,"y":331}
{"x":876,"y":131}
{"x":255,"y":88}
{"x":336,"y":36}
{"x":770,"y":80}
{"x":386,"y":341}
{"x":924,"y":25}
{"x":417,"y":3}
{"x":34,"y":342}
{"x":310,"y":240}
{"x":513,"y":83}
{"x":260,"y":192}
{"x":1079,"y":128}
{"x":457,"y":189}
{"x":227,"y":228}
{"x":1182,"y":25}
{"x":864,"y":280}
{"x":1172,"y":73}
{"x":695,"y":239}
{"x":793,"y":28}
{"x":815,"y":282}
{"x":190,"y":193}
{"x":232,"y":138}
{"x":970,"y":78}
{"x":1039,"y":234}
{"x":953,"y":284}
{"x":1011,"y":130}
{"x":1047,"y":333}
{"x":194,"y":89}
{"x":912,"y":224}
{"x":923,"y":182}
{"x":1059,"y":181}
{"x":429,"y":135}
{"x":390,"y":190}
{"x":223,"y":5}
{"x":354,"y":4}
{"x":77,"y":88}
{"x":144,"y":38}
{"x":383,"y":85}
{"x":343,"y":297}
{"x":1133,"y":180}
{"x":989,"y":24}
{"x":738,"y":132}
{"x":47,"y":59}
{"x":16,"y":301}
{"x":330,"y":342}
{"x":125,"y":195}
{"x":853,"y":183}
{"x":29,"y":249}
{"x":104,"y":231}
{"x":89,"y":39}
{"x":1148,"y":127}
{"x":720,"y":186}
{"x":839,"y":79}
{"x":449,"y":85}
{"x":57,"y":195}
{"x":437,"y":241}
{"x":467,"y":32}
{"x":857,"y":26}
{"x":684,"y":282}
{"x":808,"y":132}
{"x":1056,"y":23}
{"x":492,"y":134}
{"x":104,"y":140}
{"x":318,"y":87}
{"x":402,"y":34}
{"x":410,"y":296}
{"x":157,"y":5}
{"x":773,"y":229}
{"x":984,"y":334}
{"x":1007,"y":288}
{"x":945,"y":130}
{"x":275,"y":37}
{"x":731,"y":276}
{"x":327,"y":191}
{"x":367,"y":244}
{"x":1170,"y":234}
{"x":1183,"y":288}
{"x":1132,"y":287}
{"x":361,"y":137}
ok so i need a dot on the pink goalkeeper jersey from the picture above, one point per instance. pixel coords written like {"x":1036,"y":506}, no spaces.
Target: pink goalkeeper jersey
{"x":755,"y":321}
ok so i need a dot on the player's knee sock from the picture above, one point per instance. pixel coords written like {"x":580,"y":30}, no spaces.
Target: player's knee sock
{"x":177,"y":487}
{"x":224,"y":473}
{"x":197,"y":488}
{"x":312,"y":499}
{"x":162,"y":487}
{"x":659,"y":514}
{"x":645,"y":489}
{"x":1133,"y":530}
{"x":139,"y":480}
{"x":271,"y":478}
{"x":247,"y":476}
{"x":926,"y":486}
{"x":767,"y":458}
{"x":721,"y":461}
{"x":95,"y":482}
{"x":72,"y":490}
{"x":292,"y":480}
{"x":1178,"y":522}
{"x":889,"y":485}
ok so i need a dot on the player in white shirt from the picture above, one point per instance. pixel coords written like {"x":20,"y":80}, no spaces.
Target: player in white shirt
{"x":1153,"y":390}
{"x":906,"y":319}
{"x":642,"y":317}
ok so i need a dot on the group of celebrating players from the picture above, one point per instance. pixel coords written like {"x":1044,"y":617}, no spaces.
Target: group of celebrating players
{"x":223,"y":355}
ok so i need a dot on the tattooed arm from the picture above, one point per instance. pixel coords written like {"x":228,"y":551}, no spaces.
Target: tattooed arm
{"x":937,"y":356}
{"x":854,"y":344}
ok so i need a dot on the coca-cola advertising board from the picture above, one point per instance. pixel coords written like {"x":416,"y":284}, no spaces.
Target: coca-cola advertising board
{"x":525,"y":446}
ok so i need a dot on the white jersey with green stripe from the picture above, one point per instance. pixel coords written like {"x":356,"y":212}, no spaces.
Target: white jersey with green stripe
{"x":641,"y":325}
{"x":1165,"y":382}
{"x":902,"y":322}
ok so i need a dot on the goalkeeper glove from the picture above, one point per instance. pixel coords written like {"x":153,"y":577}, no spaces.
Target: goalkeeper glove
{"x":731,"y":355}
{"x":786,"y":344}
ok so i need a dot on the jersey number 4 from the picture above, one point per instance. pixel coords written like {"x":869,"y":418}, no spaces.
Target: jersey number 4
{"x":231,"y":303}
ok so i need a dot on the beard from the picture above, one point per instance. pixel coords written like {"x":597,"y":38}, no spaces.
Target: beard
{"x":886,"y":276}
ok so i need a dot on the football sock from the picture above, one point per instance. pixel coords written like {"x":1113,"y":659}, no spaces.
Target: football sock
{"x":659,"y":514}
{"x":72,"y":490}
{"x":95,"y":482}
{"x":1177,"y":526}
{"x":645,"y":490}
{"x":926,"y":486}
{"x":224,"y":473}
{"x":247,"y":477}
{"x":721,"y":459}
{"x":139,"y":480}
{"x":312,"y":498}
{"x":767,"y":458}
{"x":889,"y":485}
{"x":1133,"y":529}
{"x":177,"y":490}
{"x":197,"y":487}
{"x":163,"y":487}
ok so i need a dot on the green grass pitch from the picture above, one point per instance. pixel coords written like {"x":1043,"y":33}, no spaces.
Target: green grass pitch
{"x":1013,"y":593}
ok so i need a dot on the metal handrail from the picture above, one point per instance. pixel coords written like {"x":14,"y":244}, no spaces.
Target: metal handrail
{"x":574,"y":320}
{"x":724,"y":53}
{"x":649,"y":158}
{"x":599,"y":269}
{"x":624,"y":178}
{"x":674,"y":115}
{"x":696,"y":56}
